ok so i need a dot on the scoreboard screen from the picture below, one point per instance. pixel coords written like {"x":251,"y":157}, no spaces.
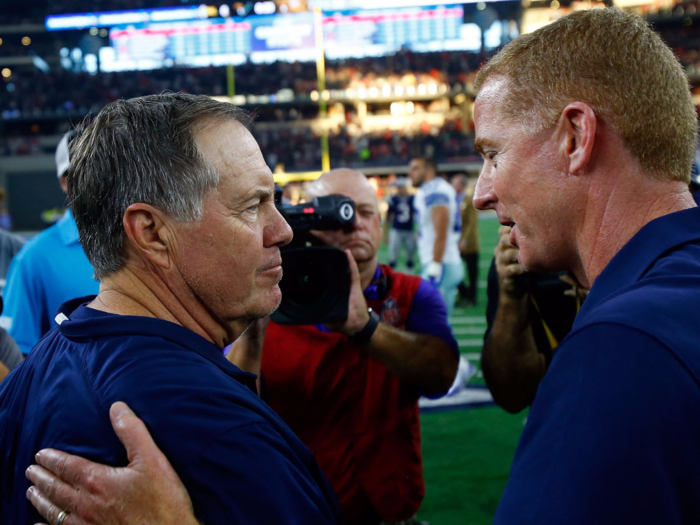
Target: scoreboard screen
{"x":157,"y":38}
{"x":217,"y":41}
{"x":380,"y":32}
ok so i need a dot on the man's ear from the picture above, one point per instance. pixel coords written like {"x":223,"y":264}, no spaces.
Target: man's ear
{"x":148,"y":233}
{"x":576,"y":135}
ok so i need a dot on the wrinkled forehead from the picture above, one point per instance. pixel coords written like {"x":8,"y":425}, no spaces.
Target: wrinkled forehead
{"x":227,"y":144}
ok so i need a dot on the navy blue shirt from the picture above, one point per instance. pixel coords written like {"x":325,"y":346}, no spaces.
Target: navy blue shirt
{"x":613,"y":436}
{"x":402,"y":209}
{"x":239,"y":461}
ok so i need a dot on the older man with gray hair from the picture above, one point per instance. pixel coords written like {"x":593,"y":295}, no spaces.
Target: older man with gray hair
{"x":175,"y":208}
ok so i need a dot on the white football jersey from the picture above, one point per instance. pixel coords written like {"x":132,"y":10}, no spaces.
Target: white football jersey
{"x":437,"y":192}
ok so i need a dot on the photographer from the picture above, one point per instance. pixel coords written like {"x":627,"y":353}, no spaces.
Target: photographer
{"x":352,"y":395}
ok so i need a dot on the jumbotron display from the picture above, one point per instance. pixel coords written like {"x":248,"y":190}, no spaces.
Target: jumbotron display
{"x":165,"y":38}
{"x":216,"y":41}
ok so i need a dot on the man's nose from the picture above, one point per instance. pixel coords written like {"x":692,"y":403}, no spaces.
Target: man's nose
{"x":278,"y":232}
{"x":484,"y":195}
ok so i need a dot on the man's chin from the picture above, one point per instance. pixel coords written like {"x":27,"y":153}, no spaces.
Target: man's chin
{"x":361,"y":253}
{"x":537,"y":266}
{"x":266,"y":305}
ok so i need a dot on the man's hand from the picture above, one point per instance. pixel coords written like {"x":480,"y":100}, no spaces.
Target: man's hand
{"x":358,"y":316}
{"x":576,"y":290}
{"x":462,"y":246}
{"x":507,"y":265}
{"x":434,"y":273}
{"x":146,"y":492}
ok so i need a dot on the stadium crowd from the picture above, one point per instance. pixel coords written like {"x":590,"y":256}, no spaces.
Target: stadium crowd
{"x":37,"y":93}
{"x":349,"y":148}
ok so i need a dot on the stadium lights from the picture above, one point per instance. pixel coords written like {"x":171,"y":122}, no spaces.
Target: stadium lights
{"x":314,"y":95}
{"x":411,"y":90}
{"x":386,"y":90}
{"x":362,"y":92}
{"x":6,"y":72}
{"x":326,"y":95}
{"x":398,"y":90}
{"x":373,"y":92}
{"x":432,"y":89}
{"x":26,"y":40}
{"x":422,"y":89}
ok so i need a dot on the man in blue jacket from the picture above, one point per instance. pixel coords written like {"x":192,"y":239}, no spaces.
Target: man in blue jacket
{"x":175,"y":208}
{"x":587,"y":129}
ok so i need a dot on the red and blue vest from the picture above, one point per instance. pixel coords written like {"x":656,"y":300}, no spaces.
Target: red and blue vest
{"x":359,"y":419}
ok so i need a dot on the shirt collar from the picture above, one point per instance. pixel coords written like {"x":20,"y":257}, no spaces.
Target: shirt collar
{"x":374,"y":290}
{"x":76,"y":321}
{"x":641,"y":252}
{"x":67,"y":229}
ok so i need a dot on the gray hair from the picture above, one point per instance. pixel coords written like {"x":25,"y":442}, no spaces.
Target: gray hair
{"x":141,"y":150}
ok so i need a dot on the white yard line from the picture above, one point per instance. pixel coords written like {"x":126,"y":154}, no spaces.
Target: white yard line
{"x":470,"y":342}
{"x":469,"y":330}
{"x":465,"y":319}
{"x":466,"y":397}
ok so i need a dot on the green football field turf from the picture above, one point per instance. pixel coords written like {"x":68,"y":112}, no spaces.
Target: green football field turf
{"x":467,"y":453}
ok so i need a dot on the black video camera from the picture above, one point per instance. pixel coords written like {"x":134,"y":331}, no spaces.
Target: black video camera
{"x":316,"y":278}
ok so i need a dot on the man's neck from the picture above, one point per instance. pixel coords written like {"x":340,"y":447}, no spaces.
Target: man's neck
{"x":617,"y":212}
{"x":131,"y":292}
{"x":367,"y":271}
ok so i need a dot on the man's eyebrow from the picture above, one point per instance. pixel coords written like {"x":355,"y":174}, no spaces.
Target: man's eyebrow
{"x":260,"y":194}
{"x":480,"y":144}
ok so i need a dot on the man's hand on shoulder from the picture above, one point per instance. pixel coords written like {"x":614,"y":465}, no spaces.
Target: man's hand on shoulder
{"x":146,"y":492}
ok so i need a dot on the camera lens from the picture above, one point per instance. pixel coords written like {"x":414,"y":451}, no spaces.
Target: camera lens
{"x":315,"y":287}
{"x":306,"y":285}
